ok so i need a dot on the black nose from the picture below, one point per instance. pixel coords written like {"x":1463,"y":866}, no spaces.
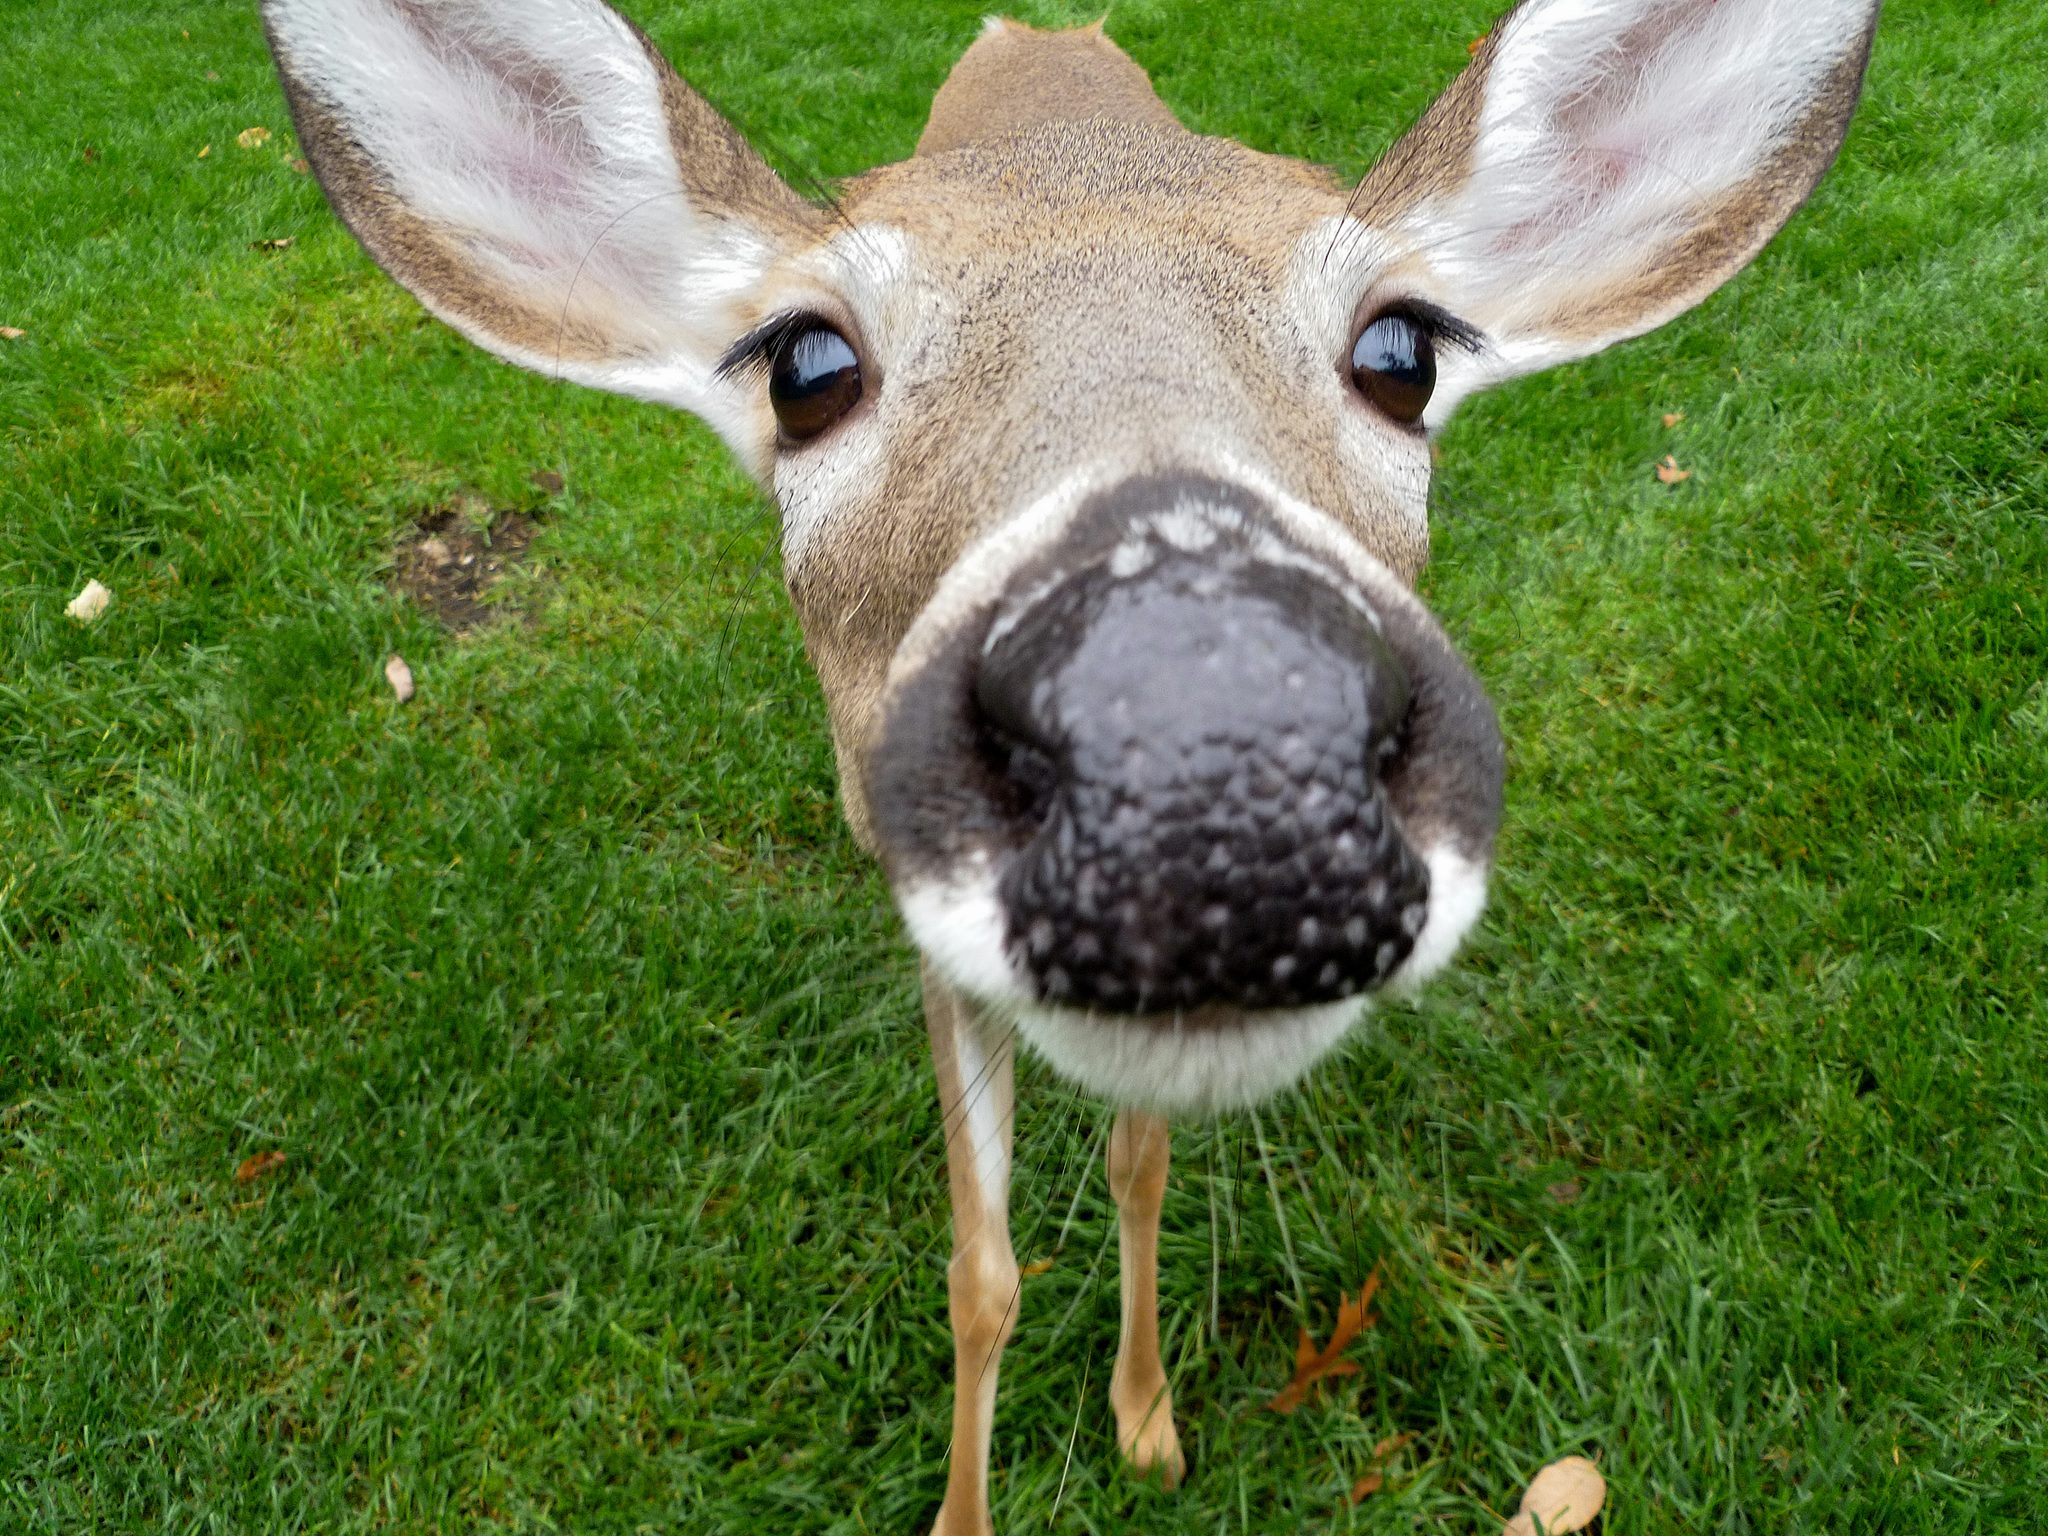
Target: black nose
{"x":1199,"y":743}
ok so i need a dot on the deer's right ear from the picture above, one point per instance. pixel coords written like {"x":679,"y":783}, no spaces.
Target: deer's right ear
{"x":539,"y":177}
{"x":1603,"y":165}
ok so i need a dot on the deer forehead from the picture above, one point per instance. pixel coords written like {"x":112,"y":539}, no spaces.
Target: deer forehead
{"x":1097,"y":298}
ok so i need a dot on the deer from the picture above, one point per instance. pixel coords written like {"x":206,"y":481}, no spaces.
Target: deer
{"x":1102,"y":452}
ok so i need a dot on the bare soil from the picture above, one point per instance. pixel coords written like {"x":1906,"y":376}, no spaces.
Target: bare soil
{"x":453,"y":557}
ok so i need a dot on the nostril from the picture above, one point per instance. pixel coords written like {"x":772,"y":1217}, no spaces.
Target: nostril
{"x":1028,"y":777}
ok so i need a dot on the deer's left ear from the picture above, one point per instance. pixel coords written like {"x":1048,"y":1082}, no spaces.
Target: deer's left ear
{"x":1603,"y":165}
{"x":539,"y":177}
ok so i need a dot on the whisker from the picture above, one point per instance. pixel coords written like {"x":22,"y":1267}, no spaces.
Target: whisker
{"x":1309,"y":1199}
{"x":1081,"y":1184}
{"x":1280,"y":1215}
{"x":1091,"y":1287}
{"x":1313,"y":1104}
{"x":1073,"y":1438}
{"x":1072,"y":1110}
{"x":1215,"y":1256}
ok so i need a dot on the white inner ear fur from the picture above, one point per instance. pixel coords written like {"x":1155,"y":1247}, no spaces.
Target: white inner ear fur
{"x":531,"y":134}
{"x":1607,"y":127}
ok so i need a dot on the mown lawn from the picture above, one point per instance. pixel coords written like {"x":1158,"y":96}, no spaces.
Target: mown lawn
{"x":610,"y":1196}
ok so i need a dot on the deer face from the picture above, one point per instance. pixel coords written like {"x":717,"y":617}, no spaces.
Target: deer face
{"x":1101,"y":447}
{"x":1106,"y":573}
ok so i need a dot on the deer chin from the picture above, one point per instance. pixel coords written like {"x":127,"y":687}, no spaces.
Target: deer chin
{"x":1186,"y":1065}
{"x":1196,"y":1062}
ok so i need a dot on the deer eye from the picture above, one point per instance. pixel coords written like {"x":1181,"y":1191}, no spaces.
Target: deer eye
{"x":813,"y":380}
{"x":1393,"y":364}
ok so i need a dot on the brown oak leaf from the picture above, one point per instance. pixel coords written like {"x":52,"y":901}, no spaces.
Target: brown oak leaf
{"x":1312,"y":1365}
{"x":253,"y":1168}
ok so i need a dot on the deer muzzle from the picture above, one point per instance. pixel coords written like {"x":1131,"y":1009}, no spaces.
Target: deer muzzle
{"x":1181,"y":765}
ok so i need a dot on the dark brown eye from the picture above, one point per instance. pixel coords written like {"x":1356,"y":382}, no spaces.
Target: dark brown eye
{"x":813,"y":380}
{"x":1394,"y":366}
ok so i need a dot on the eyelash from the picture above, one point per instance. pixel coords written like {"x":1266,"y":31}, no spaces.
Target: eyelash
{"x":1443,"y":328}
{"x":751,"y":354}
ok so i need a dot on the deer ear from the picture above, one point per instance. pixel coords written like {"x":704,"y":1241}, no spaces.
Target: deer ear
{"x":539,"y":177}
{"x":1603,"y":165}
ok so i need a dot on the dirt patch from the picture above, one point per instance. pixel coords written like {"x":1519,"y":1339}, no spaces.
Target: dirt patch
{"x":454,"y":556}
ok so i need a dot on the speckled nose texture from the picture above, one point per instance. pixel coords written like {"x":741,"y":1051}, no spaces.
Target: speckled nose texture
{"x":1199,"y":742}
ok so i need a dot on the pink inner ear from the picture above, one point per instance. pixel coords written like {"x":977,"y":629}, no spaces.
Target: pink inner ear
{"x":536,"y":145}
{"x":1580,"y":181}
{"x":545,"y":173}
{"x":1610,"y":150}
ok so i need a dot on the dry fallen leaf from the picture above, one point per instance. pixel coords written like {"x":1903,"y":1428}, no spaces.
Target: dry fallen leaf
{"x":1565,"y":1496}
{"x":1669,"y":472}
{"x":253,"y":138}
{"x":1565,"y":1191}
{"x":1476,"y":44}
{"x":1036,"y":1267}
{"x":1376,"y":1478}
{"x":1673,"y":418}
{"x":90,"y":603}
{"x":547,"y":480}
{"x":206,"y":151}
{"x":1312,"y":1365}
{"x":399,"y":675}
{"x":12,"y":332}
{"x":302,"y":166}
{"x":253,"y":1168}
{"x":282,"y":243}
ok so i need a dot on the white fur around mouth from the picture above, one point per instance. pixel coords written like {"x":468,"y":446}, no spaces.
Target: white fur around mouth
{"x":1171,"y":1064}
{"x":1182,"y":1069}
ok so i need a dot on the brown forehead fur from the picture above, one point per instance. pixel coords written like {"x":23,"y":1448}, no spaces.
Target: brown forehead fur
{"x":1016,"y":77}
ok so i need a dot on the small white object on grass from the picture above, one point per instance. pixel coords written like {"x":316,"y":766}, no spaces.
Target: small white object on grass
{"x":90,"y":603}
{"x":1565,"y":1496}
{"x":399,"y":675}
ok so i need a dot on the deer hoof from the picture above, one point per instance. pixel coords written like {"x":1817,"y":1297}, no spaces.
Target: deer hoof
{"x":1154,"y":1450}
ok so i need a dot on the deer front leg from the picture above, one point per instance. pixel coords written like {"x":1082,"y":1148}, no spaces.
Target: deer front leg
{"x":983,"y":1286}
{"x":1138,"y":1390}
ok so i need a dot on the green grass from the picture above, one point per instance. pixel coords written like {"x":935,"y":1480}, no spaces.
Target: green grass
{"x":612,"y":1199}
